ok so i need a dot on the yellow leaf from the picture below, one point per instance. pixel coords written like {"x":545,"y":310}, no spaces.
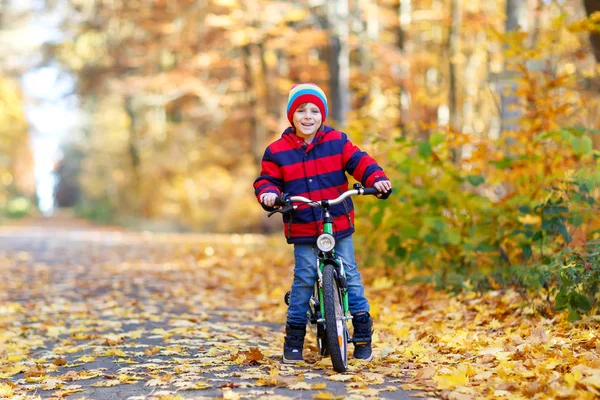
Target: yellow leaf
{"x":6,"y":390}
{"x":373,"y":378}
{"x":134,"y":334}
{"x":87,"y":359}
{"x":415,"y":349}
{"x":530,"y":219}
{"x":367,"y":392}
{"x":128,"y":378}
{"x":35,"y":379}
{"x":108,"y":383}
{"x":297,"y":14}
{"x":382,"y":283}
{"x":455,"y":378}
{"x":592,"y":381}
{"x":12,"y":370}
{"x":114,"y":352}
{"x":201,"y":385}
{"x":229,"y":394}
{"x":300,"y":386}
{"x":53,"y":331}
{"x":324,"y":396}
{"x":66,"y":392}
{"x":15,"y":357}
{"x":155,"y":382}
{"x":341,"y":378}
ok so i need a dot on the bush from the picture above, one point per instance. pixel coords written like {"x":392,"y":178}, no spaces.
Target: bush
{"x":495,"y":219}
{"x":99,"y":211}
{"x":18,"y":207}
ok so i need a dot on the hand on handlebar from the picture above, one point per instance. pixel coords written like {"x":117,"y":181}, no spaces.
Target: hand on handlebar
{"x":384,"y":187}
{"x":268,"y":199}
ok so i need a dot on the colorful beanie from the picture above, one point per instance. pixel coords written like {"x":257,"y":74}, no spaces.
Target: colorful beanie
{"x":306,"y":93}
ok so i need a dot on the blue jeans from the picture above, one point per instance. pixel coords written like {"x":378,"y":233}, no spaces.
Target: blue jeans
{"x":305,"y":275}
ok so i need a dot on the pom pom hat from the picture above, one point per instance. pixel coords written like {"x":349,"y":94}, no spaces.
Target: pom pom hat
{"x":306,"y":93}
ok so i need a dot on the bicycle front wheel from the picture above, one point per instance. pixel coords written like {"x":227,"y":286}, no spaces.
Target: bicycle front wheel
{"x":336,"y":332}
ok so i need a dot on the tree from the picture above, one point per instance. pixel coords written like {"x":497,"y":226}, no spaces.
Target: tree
{"x":509,"y":103}
{"x":592,"y":6}
{"x":339,"y":61}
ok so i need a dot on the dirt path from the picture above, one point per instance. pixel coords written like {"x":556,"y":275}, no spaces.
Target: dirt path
{"x":109,"y":314}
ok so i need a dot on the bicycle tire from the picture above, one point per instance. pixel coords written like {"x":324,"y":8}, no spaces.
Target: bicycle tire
{"x":336,"y":332}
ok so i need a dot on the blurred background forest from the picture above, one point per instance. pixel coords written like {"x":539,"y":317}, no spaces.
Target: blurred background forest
{"x":155,"y":113}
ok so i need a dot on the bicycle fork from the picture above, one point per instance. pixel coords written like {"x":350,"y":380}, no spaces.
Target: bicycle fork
{"x":340,"y":277}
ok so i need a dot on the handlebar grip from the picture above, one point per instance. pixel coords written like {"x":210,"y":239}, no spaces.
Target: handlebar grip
{"x":374,"y":191}
{"x":386,"y":194}
{"x":280,"y":201}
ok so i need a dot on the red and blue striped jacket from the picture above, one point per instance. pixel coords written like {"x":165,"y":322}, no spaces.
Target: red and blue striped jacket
{"x":317,"y":171}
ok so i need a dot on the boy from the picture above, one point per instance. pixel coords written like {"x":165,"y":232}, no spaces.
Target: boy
{"x":311,"y":160}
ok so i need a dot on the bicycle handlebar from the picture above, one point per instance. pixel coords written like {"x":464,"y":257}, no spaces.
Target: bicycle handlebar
{"x":287,"y":202}
{"x":332,"y":202}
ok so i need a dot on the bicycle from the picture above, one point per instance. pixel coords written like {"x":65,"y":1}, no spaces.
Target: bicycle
{"x":329,"y":309}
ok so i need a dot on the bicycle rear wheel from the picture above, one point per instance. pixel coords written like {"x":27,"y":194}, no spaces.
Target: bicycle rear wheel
{"x":336,"y":331}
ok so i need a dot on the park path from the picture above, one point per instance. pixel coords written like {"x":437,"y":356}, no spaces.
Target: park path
{"x":103,"y":313}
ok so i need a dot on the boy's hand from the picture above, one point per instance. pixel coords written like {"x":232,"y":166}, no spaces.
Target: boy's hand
{"x":268,"y":199}
{"x":383,"y":187}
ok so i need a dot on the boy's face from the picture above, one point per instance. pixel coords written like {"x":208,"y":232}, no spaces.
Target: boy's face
{"x":307,"y":119}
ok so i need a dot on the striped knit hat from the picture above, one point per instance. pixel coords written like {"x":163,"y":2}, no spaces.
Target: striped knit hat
{"x":306,"y":93}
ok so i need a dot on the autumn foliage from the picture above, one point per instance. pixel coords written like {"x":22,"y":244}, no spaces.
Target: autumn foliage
{"x":16,"y":170}
{"x":521,"y":210}
{"x":181,"y":99}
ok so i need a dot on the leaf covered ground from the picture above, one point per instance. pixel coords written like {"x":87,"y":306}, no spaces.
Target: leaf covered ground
{"x":106,"y":314}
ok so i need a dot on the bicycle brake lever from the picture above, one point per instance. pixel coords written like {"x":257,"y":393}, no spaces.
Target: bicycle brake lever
{"x":287,"y":208}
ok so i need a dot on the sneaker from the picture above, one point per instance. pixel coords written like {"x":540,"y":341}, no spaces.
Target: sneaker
{"x":293,"y":344}
{"x":363,"y":331}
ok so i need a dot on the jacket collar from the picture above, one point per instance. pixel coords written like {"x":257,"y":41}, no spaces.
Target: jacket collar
{"x":298,"y":143}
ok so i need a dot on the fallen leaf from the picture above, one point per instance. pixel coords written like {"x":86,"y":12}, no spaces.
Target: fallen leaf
{"x":59,"y":362}
{"x":300,"y":386}
{"x":35,"y":371}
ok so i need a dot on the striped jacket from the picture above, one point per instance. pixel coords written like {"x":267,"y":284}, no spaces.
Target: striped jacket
{"x":317,"y":171}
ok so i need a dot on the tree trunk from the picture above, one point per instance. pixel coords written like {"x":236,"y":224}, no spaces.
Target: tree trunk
{"x":339,"y":62}
{"x":404,"y":16}
{"x":592,"y":6}
{"x":510,"y":112}
{"x":255,"y":89}
{"x":133,"y":150}
{"x":453,"y":50}
{"x":404,"y":20}
{"x":3,"y":9}
{"x":262,"y":104}
{"x":453,"y":46}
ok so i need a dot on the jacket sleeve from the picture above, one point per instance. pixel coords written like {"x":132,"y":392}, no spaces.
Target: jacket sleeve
{"x":360,"y":165}
{"x":270,"y":179}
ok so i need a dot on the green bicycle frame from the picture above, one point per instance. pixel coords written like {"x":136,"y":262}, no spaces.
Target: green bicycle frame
{"x":328,"y":228}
